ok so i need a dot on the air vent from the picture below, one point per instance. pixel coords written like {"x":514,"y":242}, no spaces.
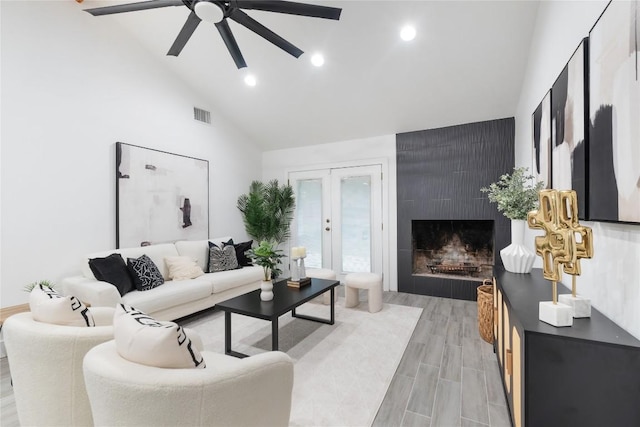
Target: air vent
{"x":201,"y":115}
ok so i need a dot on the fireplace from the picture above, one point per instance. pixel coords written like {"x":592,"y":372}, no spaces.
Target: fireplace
{"x":453,"y":249}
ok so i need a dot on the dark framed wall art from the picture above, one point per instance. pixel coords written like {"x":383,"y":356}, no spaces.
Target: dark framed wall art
{"x":569,"y":128}
{"x":614,"y":114}
{"x":160,"y":197}
{"x":541,"y":139}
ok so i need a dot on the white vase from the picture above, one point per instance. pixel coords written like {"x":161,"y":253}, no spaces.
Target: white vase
{"x":516,"y":257}
{"x":266,"y":288}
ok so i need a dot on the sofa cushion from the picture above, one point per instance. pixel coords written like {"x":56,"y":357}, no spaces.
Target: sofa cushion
{"x":48,"y":306}
{"x":145,"y":273}
{"x":142,"y":339}
{"x":170,"y":294}
{"x":182,"y":268}
{"x":222,"y":258}
{"x":155,"y":252}
{"x":197,"y":250}
{"x":223,"y":280}
{"x":112,"y":269}
{"x":241,"y":248}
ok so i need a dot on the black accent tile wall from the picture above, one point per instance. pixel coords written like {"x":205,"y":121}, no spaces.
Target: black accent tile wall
{"x":440,"y":173}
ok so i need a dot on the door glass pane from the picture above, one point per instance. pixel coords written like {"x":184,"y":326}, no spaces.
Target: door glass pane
{"x":355,"y":202}
{"x":309,"y":220}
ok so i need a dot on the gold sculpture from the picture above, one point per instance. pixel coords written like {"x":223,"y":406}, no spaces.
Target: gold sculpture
{"x":565,"y":241}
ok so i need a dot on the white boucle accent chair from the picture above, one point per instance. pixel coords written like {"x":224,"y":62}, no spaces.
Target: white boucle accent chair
{"x":255,"y":391}
{"x":46,"y":367}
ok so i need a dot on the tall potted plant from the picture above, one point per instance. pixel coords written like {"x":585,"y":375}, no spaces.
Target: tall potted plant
{"x":516,"y":195}
{"x":268,"y":257}
{"x":267,"y":212}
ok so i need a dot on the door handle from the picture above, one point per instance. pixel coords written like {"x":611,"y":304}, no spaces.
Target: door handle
{"x":327,"y":228}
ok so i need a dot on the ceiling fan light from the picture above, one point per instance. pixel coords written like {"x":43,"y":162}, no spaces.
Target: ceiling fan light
{"x":208,"y":12}
{"x":408,"y":33}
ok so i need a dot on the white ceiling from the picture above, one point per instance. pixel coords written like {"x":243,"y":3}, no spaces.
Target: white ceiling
{"x":465,"y":65}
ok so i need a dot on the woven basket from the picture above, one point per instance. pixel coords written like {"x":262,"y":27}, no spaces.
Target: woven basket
{"x":485,"y":311}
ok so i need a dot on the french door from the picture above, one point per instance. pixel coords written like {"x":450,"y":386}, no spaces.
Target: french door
{"x":338,"y":218}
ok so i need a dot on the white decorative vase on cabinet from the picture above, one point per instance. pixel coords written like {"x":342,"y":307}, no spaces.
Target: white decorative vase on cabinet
{"x":516,"y":257}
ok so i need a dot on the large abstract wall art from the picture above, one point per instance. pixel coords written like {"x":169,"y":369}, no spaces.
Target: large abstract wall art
{"x":614,"y":104}
{"x":160,"y":197}
{"x":569,"y":128}
{"x":541,"y":126}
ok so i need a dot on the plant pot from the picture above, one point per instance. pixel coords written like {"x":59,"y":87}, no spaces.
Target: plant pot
{"x":266,"y":293}
{"x":516,"y":257}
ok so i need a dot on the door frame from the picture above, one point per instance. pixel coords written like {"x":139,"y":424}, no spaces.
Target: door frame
{"x":387,"y":252}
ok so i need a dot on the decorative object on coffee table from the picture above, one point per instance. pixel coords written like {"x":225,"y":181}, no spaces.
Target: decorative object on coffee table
{"x":516,"y":195}
{"x":266,"y":256}
{"x":559,"y":248}
{"x":298,"y":273}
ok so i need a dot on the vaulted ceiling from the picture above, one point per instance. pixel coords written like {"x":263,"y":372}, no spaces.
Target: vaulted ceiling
{"x":466,"y":64}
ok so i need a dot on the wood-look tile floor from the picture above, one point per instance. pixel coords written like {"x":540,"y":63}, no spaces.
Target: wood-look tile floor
{"x":448,"y":375}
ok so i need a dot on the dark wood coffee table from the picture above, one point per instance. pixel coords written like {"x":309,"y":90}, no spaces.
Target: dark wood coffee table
{"x":285,"y":299}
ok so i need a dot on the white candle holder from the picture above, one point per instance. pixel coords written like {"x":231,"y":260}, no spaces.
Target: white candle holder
{"x":295,"y":270}
{"x":301,"y":270}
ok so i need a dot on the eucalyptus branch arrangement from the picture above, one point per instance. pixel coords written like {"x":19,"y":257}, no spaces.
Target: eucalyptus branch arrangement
{"x":515,"y":194}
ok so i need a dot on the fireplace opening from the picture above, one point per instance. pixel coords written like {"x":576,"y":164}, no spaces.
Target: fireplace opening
{"x":454,"y":249}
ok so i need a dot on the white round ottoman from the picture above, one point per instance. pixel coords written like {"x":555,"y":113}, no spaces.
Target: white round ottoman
{"x":324,"y":273}
{"x":372,"y":282}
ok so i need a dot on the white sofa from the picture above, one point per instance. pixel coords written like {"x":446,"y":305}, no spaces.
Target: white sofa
{"x":174,"y":298}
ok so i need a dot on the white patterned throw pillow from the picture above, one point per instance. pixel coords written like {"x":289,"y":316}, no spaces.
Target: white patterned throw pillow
{"x":48,"y":306}
{"x":142,"y":339}
{"x":222,"y":258}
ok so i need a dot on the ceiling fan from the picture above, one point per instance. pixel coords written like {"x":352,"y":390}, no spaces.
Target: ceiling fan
{"x":218,"y":12}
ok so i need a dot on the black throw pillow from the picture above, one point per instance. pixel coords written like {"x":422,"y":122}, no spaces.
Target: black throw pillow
{"x":112,"y":269}
{"x":145,"y":273}
{"x":241,"y":248}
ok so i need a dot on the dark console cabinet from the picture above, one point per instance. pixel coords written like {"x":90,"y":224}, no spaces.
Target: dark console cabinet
{"x":584,"y":375}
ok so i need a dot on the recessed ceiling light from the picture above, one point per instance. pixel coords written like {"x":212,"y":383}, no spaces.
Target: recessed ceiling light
{"x":317,"y":60}
{"x":408,"y":33}
{"x":250,"y":80}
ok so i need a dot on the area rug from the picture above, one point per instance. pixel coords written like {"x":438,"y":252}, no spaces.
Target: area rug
{"x":341,"y":371}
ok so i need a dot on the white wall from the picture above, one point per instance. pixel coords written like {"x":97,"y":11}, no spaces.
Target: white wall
{"x":612,"y":278}
{"x":278,"y":163}
{"x":72,"y":86}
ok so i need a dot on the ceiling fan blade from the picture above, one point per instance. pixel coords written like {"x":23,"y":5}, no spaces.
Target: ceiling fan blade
{"x":230,"y":42}
{"x":291,"y":8}
{"x":132,"y":7}
{"x":245,"y":20}
{"x":187,"y":30}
